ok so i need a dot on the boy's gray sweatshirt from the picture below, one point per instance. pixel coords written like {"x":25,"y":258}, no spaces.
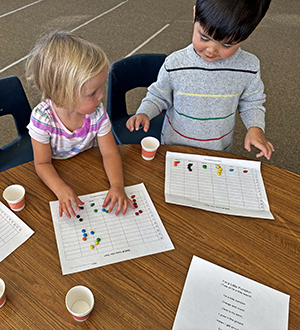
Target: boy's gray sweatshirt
{"x":201,"y":98}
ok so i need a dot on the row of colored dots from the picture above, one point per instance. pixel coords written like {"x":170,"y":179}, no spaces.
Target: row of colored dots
{"x":220,"y":169}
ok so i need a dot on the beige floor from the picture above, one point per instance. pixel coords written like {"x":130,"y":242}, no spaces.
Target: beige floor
{"x":138,"y":26}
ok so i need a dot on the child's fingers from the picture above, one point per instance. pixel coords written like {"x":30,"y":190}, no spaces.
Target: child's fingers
{"x":247,"y":145}
{"x":130,"y":123}
{"x":265,"y":151}
{"x":109,"y":200}
{"x":146,"y":125}
{"x":106,"y":200}
{"x":60,"y":211}
{"x":260,"y":154}
{"x":112,"y":205}
{"x":119,"y":208}
{"x":122,"y":204}
{"x":67,"y":210}
{"x":71,"y":210}
{"x":130,"y":202}
{"x":127,"y":202}
{"x":79,"y":201}
{"x":137,"y":123}
{"x":271,"y":146}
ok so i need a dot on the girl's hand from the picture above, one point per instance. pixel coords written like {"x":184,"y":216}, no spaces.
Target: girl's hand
{"x":68,"y":200}
{"x":256,"y":137}
{"x":116,"y":194}
{"x":135,"y":121}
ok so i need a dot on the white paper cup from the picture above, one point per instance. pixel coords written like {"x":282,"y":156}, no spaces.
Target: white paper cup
{"x":149,"y":147}
{"x":80,"y":302}
{"x":2,"y":293}
{"x":15,"y":197}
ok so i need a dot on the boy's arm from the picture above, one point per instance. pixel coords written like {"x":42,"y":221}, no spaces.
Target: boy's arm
{"x":46,"y":171}
{"x":251,"y":102}
{"x":113,"y":167}
{"x":159,"y":96}
{"x":252,"y":113}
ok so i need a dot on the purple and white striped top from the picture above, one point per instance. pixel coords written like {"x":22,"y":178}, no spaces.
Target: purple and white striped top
{"x":46,"y":127}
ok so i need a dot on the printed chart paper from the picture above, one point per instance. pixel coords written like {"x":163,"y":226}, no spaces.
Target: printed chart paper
{"x":13,"y":231}
{"x":215,"y":298}
{"x":222,"y":185}
{"x":138,"y":233}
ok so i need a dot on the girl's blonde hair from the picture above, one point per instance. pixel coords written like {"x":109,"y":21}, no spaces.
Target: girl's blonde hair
{"x":60,"y":63}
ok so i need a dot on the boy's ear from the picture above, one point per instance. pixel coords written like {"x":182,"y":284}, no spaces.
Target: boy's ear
{"x":194,"y":12}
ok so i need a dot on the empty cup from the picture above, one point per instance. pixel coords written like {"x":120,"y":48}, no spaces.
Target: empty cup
{"x":15,"y":197}
{"x":149,"y":147}
{"x":2,"y":293}
{"x":80,"y":302}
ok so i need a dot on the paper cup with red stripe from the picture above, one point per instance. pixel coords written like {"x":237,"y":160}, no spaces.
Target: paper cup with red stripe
{"x":15,"y":197}
{"x":80,"y":302}
{"x":2,"y":293}
{"x":149,"y":147}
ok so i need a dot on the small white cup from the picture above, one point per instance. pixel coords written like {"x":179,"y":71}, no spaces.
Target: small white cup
{"x":15,"y":197}
{"x":149,"y":145}
{"x":80,"y":302}
{"x":2,"y":293}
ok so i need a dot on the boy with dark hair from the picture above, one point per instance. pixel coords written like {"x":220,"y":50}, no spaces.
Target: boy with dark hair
{"x":203,"y":85}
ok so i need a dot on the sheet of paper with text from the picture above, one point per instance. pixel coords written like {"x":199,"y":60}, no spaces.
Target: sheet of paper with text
{"x":215,"y":298}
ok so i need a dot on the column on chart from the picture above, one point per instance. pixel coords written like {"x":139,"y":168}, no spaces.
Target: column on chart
{"x":234,"y":187}
{"x":206,"y":194}
{"x":95,"y":223}
{"x":191,"y":183}
{"x":250,"y":188}
{"x":70,"y":238}
{"x":177,"y":174}
{"x":219,"y":185}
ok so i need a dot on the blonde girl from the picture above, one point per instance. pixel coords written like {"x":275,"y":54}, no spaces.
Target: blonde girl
{"x":70,"y":73}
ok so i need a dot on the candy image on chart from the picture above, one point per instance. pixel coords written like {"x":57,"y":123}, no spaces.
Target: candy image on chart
{"x":223,"y":185}
{"x":96,"y":238}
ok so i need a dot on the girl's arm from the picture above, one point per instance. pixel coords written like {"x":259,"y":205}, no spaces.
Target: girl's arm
{"x":113,"y":167}
{"x":46,"y":171}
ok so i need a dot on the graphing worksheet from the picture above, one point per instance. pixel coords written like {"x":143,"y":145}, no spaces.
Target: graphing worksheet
{"x":96,"y":238}
{"x":217,"y":184}
{"x":13,"y":231}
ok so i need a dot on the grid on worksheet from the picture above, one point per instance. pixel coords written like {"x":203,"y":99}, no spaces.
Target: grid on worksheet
{"x":215,"y":184}
{"x":8,"y":228}
{"x":116,"y":232}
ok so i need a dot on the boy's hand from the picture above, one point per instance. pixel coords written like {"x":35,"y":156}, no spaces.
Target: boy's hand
{"x":67,"y":200}
{"x":116,"y":194}
{"x":256,"y":137}
{"x":135,"y":121}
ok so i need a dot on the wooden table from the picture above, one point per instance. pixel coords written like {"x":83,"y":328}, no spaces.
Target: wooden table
{"x":144,"y":293}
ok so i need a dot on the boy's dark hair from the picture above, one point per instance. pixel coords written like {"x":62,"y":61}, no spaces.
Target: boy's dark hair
{"x":231,"y":21}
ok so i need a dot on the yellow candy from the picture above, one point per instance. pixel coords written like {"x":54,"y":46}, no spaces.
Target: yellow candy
{"x":92,"y":246}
